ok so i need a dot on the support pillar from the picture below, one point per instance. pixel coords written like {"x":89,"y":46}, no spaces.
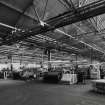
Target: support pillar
{"x":76,"y":59}
{"x":49,"y":59}
{"x":5,"y":74}
{"x":91,"y":56}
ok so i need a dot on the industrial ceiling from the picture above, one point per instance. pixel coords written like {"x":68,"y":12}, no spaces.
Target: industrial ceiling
{"x":28,"y":27}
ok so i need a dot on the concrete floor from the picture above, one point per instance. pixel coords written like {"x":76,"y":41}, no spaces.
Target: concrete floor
{"x":39,"y":93}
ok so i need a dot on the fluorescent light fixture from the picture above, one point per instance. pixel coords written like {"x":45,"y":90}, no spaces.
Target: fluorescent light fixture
{"x":80,"y":41}
{"x":58,"y":61}
{"x":62,"y":32}
{"x":81,"y":61}
{"x":11,"y":27}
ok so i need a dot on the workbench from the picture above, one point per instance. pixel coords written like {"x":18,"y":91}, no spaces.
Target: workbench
{"x":98,"y":85}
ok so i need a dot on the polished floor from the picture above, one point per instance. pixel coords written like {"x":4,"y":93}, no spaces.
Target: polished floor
{"x":39,"y":93}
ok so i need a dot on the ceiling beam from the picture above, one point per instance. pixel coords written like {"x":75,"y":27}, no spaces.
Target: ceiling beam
{"x":66,"y":18}
{"x":88,"y":11}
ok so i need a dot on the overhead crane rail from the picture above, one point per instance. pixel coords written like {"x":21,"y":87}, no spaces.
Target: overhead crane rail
{"x":69,"y":17}
{"x":66,"y":18}
{"x":81,"y":13}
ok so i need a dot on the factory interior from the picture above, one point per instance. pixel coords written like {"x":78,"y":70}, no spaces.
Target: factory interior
{"x":52,"y":52}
